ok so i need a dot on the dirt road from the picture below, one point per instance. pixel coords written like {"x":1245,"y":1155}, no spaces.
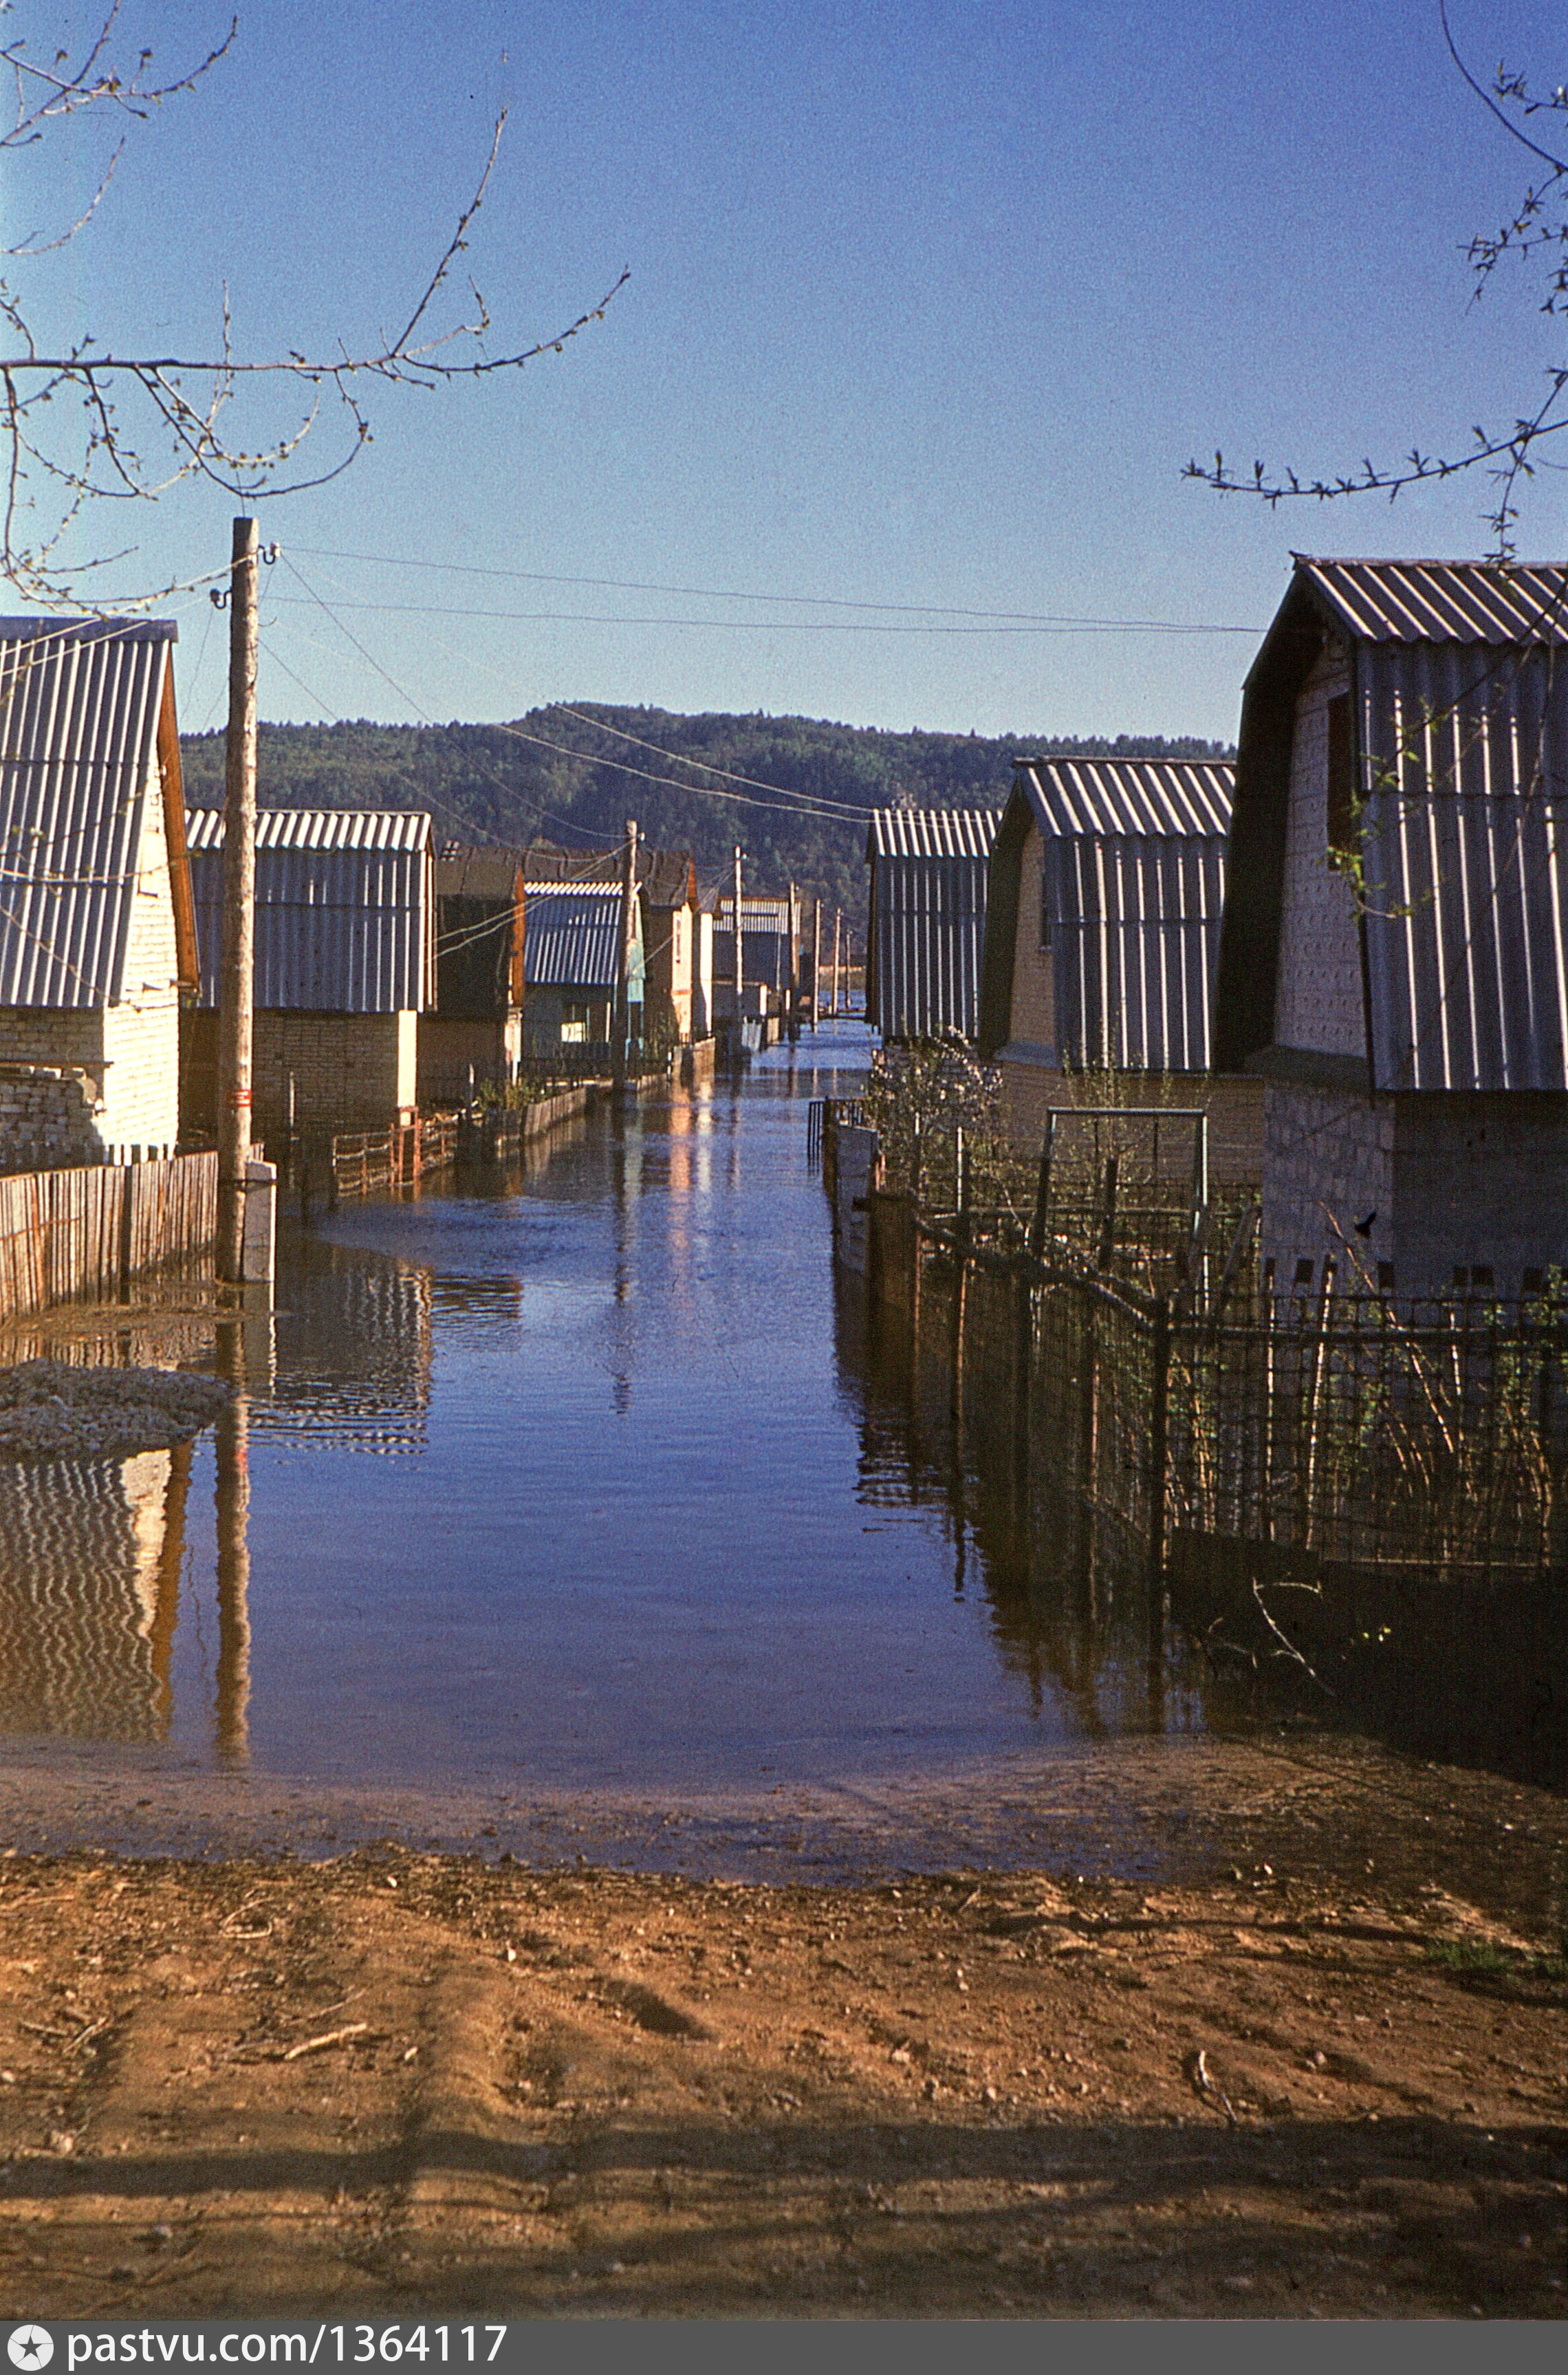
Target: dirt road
{"x":399,"y":2082}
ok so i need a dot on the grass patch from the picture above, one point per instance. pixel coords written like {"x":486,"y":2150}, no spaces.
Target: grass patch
{"x":1476,"y":1959}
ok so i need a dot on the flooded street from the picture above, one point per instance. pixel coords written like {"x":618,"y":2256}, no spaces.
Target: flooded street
{"x":575,"y":1508}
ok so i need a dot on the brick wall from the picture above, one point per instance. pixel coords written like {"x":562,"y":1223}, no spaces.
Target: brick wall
{"x":48,"y":1118}
{"x":1033,"y":1017}
{"x":129,"y":1055}
{"x":1318,"y":1000}
{"x":1233,"y":1102}
{"x":449,"y":1044}
{"x":351,"y":1071}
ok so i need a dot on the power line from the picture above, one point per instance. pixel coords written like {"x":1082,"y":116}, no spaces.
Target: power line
{"x":796,"y":626}
{"x":803,"y":601}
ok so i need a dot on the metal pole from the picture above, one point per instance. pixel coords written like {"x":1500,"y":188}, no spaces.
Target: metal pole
{"x":816,"y":962}
{"x":621,"y":1046}
{"x":237,"y":987}
{"x":1042,"y":1188}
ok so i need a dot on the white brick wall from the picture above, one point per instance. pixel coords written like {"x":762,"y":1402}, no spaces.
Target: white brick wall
{"x":1318,"y":989}
{"x":1327,"y":1164}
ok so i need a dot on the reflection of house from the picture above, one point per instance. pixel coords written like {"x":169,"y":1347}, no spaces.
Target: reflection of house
{"x":345,"y":963}
{"x":1101,"y":939}
{"x":89,"y":1583}
{"x":353,"y":1353}
{"x":571,"y":966}
{"x":926,"y":924}
{"x":1392,"y":955}
{"x":478,"y":1017}
{"x":97,"y":935}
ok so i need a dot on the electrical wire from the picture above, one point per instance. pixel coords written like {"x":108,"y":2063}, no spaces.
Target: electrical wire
{"x":805,"y":601}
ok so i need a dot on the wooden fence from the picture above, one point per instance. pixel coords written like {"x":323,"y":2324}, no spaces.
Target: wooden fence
{"x":73,"y":1235}
{"x":361,"y":1162}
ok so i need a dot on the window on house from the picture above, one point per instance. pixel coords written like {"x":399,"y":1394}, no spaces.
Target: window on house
{"x":573,"y":1025}
{"x":1341,"y":782}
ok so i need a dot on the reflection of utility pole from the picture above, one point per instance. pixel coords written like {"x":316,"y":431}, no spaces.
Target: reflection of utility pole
{"x":739,"y":966}
{"x":237,"y":987}
{"x":233,"y":1504}
{"x":620,"y":1051}
{"x":816,"y":961}
{"x":171,"y":1559}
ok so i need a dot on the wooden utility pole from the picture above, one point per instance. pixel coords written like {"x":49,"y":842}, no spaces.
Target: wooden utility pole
{"x":816,"y":962}
{"x":237,"y":987}
{"x":739,"y":967}
{"x":621,"y":1048}
{"x":838,"y":921}
{"x":793,"y":955}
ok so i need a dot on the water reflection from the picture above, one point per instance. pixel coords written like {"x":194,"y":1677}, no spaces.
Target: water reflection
{"x":89,"y":1579}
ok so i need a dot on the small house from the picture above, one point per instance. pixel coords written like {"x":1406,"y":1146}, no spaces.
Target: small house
{"x":1393,"y":965}
{"x":345,"y":964}
{"x":925,"y":933}
{"x":667,"y":883}
{"x":770,"y":949}
{"x":572,"y":963}
{"x":1101,"y":942}
{"x":475,"y":1026}
{"x":98,"y":938}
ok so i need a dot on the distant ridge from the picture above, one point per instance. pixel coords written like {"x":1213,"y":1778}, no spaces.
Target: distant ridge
{"x":483,"y":782}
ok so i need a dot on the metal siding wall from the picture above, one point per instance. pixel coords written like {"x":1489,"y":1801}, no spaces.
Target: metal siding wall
{"x":338,"y":930}
{"x":1465,"y":782}
{"x":930,"y":938}
{"x":1135,"y":936}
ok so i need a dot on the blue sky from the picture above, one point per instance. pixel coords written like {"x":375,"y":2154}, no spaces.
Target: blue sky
{"x":929,"y":305}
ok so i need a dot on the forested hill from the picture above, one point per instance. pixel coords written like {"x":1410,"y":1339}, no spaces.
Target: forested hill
{"x":493,"y":782}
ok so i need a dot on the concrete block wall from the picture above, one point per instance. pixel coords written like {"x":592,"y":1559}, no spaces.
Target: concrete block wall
{"x":1327,"y":1164}
{"x":1318,"y":1002}
{"x":1033,"y":1017}
{"x":1431,"y":1192}
{"x":1232,"y":1101}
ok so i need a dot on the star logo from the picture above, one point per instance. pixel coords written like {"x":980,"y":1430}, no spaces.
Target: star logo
{"x":29,"y":2346}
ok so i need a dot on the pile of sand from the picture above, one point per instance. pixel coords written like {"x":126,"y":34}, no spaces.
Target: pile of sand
{"x":49,"y":1411}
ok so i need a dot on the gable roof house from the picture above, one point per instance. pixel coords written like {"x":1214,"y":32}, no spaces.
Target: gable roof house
{"x":345,"y":963}
{"x":573,"y":963}
{"x":97,"y":938}
{"x":667,"y":882}
{"x":1101,"y":942}
{"x":477,"y":1020}
{"x":926,"y":928}
{"x":769,"y":959}
{"x":1393,"y":960}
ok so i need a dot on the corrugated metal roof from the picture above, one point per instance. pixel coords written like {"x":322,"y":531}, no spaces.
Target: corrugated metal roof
{"x":572,"y":938}
{"x":345,"y":916}
{"x":1129,"y":796}
{"x":80,"y":705}
{"x":393,"y":829}
{"x":932,"y":833}
{"x":1443,"y":601}
{"x":926,"y":922}
{"x":756,"y":916}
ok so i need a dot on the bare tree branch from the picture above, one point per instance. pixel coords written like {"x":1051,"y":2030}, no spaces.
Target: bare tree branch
{"x":1504,"y":455}
{"x":68,"y":446}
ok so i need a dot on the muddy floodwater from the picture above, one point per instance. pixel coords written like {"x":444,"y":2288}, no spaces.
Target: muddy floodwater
{"x":580,"y":1481}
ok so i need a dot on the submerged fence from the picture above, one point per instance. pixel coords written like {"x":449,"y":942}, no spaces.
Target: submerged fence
{"x":1140,"y":1356}
{"x":72,"y":1236}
